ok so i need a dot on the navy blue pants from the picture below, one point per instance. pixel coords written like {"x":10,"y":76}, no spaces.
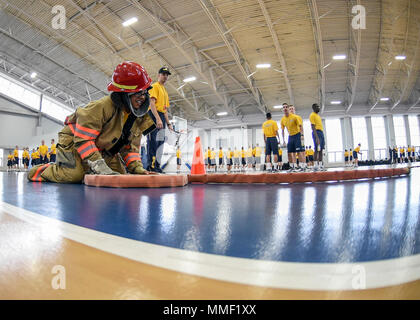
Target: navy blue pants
{"x":155,"y":139}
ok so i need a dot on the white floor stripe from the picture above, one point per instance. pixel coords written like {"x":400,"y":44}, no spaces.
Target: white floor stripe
{"x":286,"y":275}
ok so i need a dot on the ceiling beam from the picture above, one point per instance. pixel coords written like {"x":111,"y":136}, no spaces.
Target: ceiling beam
{"x":377,"y":88}
{"x":320,"y":49}
{"x":162,"y":25}
{"x":234,"y":51}
{"x":278,"y":49}
{"x":409,"y":72}
{"x":355,"y":46}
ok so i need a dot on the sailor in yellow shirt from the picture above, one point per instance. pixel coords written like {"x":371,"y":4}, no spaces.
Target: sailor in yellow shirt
{"x":207,"y":158}
{"x":280,"y":159}
{"x":229,"y":156}
{"x":249,"y":158}
{"x":159,"y":104}
{"x":301,"y":154}
{"x":402,"y":153}
{"x":270,"y":135}
{"x":34,"y":157}
{"x":236,"y":155}
{"x":25,"y":158}
{"x":294,"y":127}
{"x":243,"y":158}
{"x":317,"y":136}
{"x":10,"y":161}
{"x":356,"y":151}
{"x":310,"y":156}
{"x":53,"y":151}
{"x":346,"y":158}
{"x":16,"y":158}
{"x":212,"y":159}
{"x":43,"y":150}
{"x":221,"y":162}
{"x":178,"y":160}
{"x":257,"y":156}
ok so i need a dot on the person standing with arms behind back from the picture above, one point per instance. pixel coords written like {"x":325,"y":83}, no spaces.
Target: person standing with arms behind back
{"x":317,"y":136}
{"x":159,"y":104}
{"x":53,"y":151}
{"x":43,"y":150}
{"x":271,"y":134}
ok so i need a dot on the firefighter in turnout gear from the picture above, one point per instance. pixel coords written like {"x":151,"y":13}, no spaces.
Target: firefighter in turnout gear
{"x":104,"y":136}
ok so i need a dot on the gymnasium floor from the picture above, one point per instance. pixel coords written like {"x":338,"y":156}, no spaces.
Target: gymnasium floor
{"x":301,"y":241}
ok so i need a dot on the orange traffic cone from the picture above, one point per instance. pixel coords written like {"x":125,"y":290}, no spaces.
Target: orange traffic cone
{"x":197,"y":166}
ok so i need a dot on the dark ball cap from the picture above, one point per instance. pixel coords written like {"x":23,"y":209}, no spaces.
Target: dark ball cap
{"x":268,"y":115}
{"x":164,"y":70}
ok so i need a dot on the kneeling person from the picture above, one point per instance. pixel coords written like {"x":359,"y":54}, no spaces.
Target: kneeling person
{"x":104,"y":137}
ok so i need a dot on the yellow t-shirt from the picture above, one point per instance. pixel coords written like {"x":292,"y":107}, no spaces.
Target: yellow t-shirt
{"x":229,"y":154}
{"x":16,"y":153}
{"x":249,"y":153}
{"x":346,"y":153}
{"x":33,"y":155}
{"x":220,"y":154}
{"x":300,"y":119}
{"x":25,"y":154}
{"x":178,"y":153}
{"x":357,"y":149}
{"x":161,"y":95}
{"x":306,"y":152}
{"x":316,"y":120}
{"x":10,"y":157}
{"x":208,"y":153}
{"x":270,"y":127}
{"x":243,"y":153}
{"x":402,"y":150}
{"x":212,"y":155}
{"x":236,"y":154}
{"x":310,"y":152}
{"x":280,"y":151}
{"x":43,"y":150}
{"x":292,"y":124}
{"x":257,"y":151}
{"x":53,"y":149}
{"x":37,"y":155}
{"x":408,"y":149}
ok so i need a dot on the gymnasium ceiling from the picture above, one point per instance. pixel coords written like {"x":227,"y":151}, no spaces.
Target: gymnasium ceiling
{"x":220,"y":42}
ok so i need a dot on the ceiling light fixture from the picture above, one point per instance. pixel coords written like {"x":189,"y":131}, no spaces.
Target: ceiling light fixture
{"x":400,"y":57}
{"x":33,"y":75}
{"x":189,"y":79}
{"x":263,"y":66}
{"x":336,"y":102}
{"x":384,"y":99}
{"x":339,"y":57}
{"x":224,"y":113}
{"x":129,"y":22}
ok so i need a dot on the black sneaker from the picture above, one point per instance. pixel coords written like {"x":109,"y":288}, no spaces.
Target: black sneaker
{"x":158,"y":169}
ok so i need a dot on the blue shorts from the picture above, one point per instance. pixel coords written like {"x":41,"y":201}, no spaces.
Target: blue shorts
{"x":295,"y":144}
{"x":354,"y":154}
{"x":178,"y":161}
{"x":320,"y":134}
{"x":346,"y":159}
{"x":271,"y":146}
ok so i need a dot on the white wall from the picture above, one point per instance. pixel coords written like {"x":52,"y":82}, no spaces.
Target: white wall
{"x":18,"y":126}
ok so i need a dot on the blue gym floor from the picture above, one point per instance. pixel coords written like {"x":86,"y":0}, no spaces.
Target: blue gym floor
{"x":315,"y":222}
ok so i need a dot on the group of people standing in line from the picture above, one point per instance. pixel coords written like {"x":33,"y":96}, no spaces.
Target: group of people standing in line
{"x":40,"y":155}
